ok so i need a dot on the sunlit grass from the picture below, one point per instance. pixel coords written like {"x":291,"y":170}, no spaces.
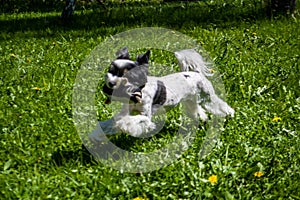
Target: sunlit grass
{"x":257,"y":155}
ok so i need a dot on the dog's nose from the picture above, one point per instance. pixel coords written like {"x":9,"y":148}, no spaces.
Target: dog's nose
{"x":111,"y":85}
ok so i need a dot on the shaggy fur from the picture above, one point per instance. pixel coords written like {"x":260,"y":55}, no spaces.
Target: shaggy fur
{"x":128,"y":81}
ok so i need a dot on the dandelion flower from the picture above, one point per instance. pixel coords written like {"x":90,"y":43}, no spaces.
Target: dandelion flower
{"x":212,"y":71}
{"x":258,"y":174}
{"x":13,"y":55}
{"x":140,"y":198}
{"x":36,"y":88}
{"x":213,"y":179}
{"x":276,"y":119}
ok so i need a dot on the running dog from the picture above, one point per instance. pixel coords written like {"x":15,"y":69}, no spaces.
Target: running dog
{"x":128,"y":81}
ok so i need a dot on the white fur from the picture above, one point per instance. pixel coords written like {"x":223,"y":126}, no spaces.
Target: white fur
{"x":189,"y":87}
{"x":135,"y":125}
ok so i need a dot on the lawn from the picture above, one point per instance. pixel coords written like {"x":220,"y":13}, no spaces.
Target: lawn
{"x":257,"y":156}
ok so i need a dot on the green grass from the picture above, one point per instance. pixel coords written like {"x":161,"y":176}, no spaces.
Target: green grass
{"x":41,"y":154}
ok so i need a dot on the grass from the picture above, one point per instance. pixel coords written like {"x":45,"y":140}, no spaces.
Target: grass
{"x":42,"y":156}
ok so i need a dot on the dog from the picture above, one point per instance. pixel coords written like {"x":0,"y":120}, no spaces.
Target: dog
{"x":128,"y":81}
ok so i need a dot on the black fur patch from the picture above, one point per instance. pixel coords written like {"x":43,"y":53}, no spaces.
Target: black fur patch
{"x":108,"y":91}
{"x":137,"y":93}
{"x":186,"y":76}
{"x":161,"y":94}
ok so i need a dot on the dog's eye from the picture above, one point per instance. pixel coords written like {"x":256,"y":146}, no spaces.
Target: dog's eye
{"x":112,"y":70}
{"x":118,"y":73}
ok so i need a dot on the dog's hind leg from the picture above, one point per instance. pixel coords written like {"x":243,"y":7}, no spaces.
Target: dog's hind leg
{"x":211,"y":102}
{"x":194,"y":110}
{"x":201,"y":113}
{"x":218,"y":107}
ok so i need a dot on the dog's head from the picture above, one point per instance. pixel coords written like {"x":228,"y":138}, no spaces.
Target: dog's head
{"x":125,"y":75}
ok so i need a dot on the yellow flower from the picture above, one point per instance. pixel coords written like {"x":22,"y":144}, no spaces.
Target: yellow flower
{"x":258,"y":174}
{"x":213,"y":179}
{"x":276,"y":119}
{"x":140,"y":198}
{"x":36,"y":88}
{"x":13,"y":55}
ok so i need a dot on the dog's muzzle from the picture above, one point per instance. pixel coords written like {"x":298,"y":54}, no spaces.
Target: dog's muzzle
{"x":110,"y":81}
{"x":111,"y":85}
{"x":114,"y":82}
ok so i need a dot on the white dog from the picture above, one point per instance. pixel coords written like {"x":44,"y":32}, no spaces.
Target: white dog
{"x":128,"y":81}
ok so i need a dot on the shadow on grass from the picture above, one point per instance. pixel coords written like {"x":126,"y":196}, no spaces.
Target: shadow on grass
{"x":125,"y":142}
{"x":81,"y":155}
{"x":166,"y":15}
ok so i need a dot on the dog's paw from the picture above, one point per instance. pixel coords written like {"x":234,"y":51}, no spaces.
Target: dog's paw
{"x":203,"y":116}
{"x":219,"y":107}
{"x":230,"y":112}
{"x":136,"y":126}
{"x":227,"y":110}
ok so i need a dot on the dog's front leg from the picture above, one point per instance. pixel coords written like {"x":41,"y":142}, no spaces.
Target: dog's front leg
{"x":146,"y":109}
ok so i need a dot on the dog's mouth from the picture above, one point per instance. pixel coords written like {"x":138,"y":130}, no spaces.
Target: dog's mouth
{"x":117,"y":92}
{"x":108,"y":93}
{"x":134,"y":97}
{"x":111,"y":85}
{"x":114,"y":82}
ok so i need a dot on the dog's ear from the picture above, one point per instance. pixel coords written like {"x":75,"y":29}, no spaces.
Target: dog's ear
{"x":123,"y":53}
{"x":143,"y":58}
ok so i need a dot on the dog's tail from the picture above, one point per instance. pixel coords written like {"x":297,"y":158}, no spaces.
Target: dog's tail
{"x":191,"y":60}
